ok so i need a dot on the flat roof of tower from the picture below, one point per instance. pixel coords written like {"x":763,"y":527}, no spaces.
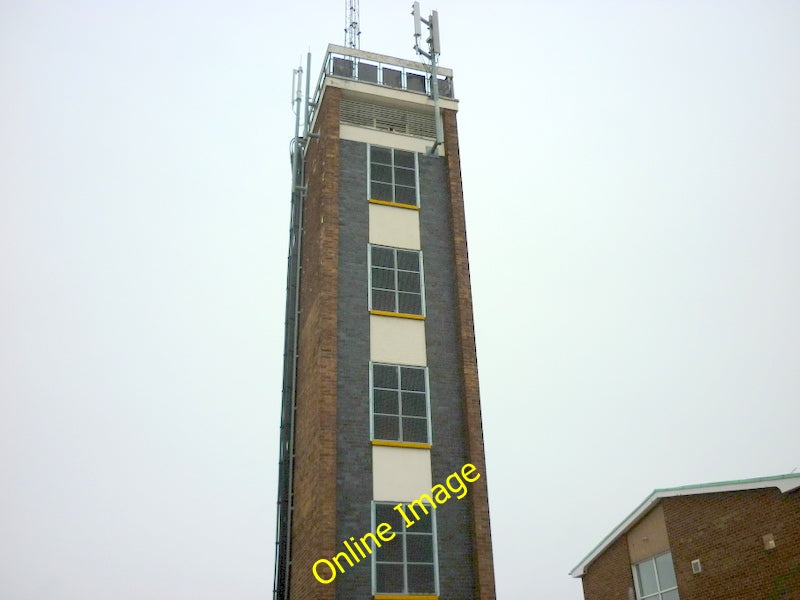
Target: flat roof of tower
{"x":385,"y":72}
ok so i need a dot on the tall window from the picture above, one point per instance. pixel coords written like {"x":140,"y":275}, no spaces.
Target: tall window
{"x":407,"y":563}
{"x":655,"y":578}
{"x":393,"y":175}
{"x":399,"y":403}
{"x":395,"y":280}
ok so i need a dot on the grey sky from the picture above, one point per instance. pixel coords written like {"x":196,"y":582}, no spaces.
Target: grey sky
{"x":633,"y":202}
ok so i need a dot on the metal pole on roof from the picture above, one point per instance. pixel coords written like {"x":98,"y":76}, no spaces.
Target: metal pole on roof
{"x":307,"y":117}
{"x":434,"y":49}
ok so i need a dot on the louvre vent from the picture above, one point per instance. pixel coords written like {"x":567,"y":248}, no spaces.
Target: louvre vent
{"x":387,"y":118}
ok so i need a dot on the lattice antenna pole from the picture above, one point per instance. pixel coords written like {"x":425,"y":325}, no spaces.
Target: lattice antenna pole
{"x":352,"y":30}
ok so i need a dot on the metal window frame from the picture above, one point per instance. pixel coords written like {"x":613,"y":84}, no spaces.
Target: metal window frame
{"x":657,"y":594}
{"x":395,"y":270}
{"x":401,"y":536}
{"x":400,"y":391}
{"x":393,"y":184}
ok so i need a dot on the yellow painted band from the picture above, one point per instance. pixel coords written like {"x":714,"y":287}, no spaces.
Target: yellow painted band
{"x":396,"y":204}
{"x":386,"y":313}
{"x":400,"y":444}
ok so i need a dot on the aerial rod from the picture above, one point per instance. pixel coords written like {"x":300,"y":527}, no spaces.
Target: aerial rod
{"x":297,"y":75}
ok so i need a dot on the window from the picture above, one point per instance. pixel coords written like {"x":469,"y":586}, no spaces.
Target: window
{"x":393,"y":175}
{"x":400,"y":403}
{"x":395,"y":280}
{"x":407,"y":563}
{"x":655,"y":578}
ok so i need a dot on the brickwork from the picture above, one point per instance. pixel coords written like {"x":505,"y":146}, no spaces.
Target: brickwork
{"x":313,"y":520}
{"x":483,"y":565}
{"x":610,"y":577}
{"x":354,"y":459}
{"x":332,"y":468}
{"x":724,"y":531}
{"x":449,"y":449}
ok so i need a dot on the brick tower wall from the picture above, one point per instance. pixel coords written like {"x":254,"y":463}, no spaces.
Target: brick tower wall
{"x":482,"y":562}
{"x":313,"y":520}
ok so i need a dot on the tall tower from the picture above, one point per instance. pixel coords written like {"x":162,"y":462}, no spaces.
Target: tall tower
{"x":381,"y":416}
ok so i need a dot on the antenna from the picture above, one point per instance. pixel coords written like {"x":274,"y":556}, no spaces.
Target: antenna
{"x":434,"y":49}
{"x":417,"y":25}
{"x":435,"y":44}
{"x":352,"y":30}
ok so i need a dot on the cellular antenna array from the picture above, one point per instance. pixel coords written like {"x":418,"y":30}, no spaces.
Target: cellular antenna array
{"x":434,"y":49}
{"x":352,"y":30}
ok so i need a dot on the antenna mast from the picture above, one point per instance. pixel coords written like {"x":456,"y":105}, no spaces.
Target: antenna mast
{"x":434,"y":49}
{"x":352,"y":30}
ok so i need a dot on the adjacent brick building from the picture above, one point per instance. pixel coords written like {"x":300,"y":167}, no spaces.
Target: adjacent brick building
{"x":381,"y":386}
{"x":736,"y":540}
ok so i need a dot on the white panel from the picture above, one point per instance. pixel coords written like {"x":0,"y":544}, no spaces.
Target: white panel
{"x":392,"y":226}
{"x":400,"y":474}
{"x":391,"y":119}
{"x":384,"y":138}
{"x":353,"y":87}
{"x":396,"y":340}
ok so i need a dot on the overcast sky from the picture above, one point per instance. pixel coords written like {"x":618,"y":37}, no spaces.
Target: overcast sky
{"x":632,"y":186}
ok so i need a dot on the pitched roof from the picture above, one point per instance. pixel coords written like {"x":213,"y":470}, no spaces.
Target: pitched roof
{"x":785,"y":483}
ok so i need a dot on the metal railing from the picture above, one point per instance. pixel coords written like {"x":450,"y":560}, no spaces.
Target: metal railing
{"x":378,"y":69}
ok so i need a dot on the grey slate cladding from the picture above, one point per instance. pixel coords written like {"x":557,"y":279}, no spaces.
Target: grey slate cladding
{"x":354,"y":451}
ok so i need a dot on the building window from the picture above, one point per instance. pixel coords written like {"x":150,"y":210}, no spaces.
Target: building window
{"x":407,"y":563}
{"x":655,"y":578}
{"x":400,"y":403}
{"x":393,"y":175}
{"x":395,"y":280}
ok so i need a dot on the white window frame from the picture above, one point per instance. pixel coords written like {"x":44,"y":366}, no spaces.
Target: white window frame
{"x":393,"y":184}
{"x":400,"y":538}
{"x":395,"y":269}
{"x":657,"y":594}
{"x":372,"y":437}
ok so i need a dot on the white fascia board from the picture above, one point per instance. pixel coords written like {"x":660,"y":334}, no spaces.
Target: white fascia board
{"x":785,"y":483}
{"x":399,"y":96}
